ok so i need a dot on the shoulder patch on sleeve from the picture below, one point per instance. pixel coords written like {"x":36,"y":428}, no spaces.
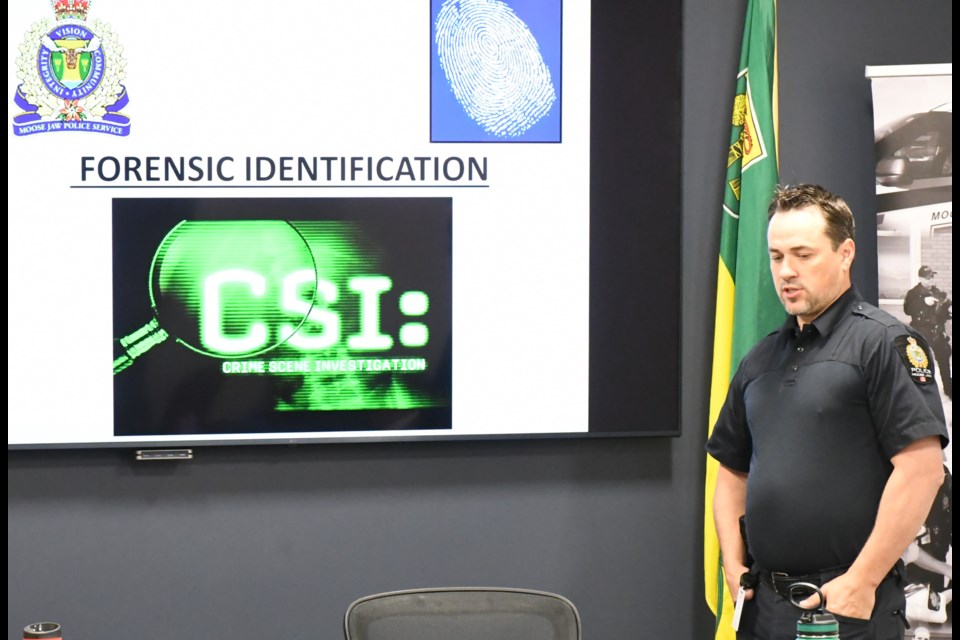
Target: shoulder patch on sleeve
{"x":916,"y":357}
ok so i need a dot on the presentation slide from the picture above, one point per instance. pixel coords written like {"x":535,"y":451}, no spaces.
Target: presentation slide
{"x":321,"y":220}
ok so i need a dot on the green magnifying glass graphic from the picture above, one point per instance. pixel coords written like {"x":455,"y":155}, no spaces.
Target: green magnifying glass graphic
{"x":226,"y":289}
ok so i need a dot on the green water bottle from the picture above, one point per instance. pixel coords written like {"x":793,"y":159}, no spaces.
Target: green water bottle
{"x":814,"y":623}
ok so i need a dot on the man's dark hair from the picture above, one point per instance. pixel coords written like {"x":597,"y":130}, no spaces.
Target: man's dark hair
{"x":835,"y":211}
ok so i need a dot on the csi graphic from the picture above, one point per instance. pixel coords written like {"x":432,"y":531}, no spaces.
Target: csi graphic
{"x":346,"y":313}
{"x":234,"y":288}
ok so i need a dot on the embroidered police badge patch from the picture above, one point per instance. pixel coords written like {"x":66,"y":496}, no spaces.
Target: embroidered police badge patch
{"x":913,"y":351}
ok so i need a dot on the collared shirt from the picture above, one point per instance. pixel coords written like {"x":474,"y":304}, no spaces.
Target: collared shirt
{"x":814,"y":417}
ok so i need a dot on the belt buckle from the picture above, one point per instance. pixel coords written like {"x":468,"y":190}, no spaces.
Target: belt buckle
{"x":776,"y":577}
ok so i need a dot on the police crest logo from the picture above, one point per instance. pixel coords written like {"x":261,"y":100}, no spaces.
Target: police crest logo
{"x":913,"y":352}
{"x":70,"y":75}
{"x":916,"y":354}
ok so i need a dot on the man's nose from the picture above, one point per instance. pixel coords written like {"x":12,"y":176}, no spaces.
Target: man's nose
{"x":786,"y":269}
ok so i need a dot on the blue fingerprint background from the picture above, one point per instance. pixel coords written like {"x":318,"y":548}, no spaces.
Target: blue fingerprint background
{"x":495,"y":70}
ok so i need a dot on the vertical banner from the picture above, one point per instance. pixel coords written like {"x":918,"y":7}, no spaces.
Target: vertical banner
{"x":747,"y":305}
{"x":913,"y":120}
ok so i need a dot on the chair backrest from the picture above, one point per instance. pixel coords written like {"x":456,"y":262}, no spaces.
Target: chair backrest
{"x":462,"y":613}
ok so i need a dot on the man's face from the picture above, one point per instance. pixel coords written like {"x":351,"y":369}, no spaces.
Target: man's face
{"x":808,"y":272}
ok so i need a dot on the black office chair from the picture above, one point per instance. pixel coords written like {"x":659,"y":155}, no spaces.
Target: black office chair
{"x":462,"y":613}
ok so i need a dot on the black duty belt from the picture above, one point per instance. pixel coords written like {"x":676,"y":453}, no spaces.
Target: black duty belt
{"x":781,"y":582}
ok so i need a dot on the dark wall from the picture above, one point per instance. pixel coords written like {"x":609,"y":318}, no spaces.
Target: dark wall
{"x":826,"y":108}
{"x":275,"y":542}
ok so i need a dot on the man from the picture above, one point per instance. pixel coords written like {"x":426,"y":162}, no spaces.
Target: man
{"x":829,"y":440}
{"x":929,"y":309}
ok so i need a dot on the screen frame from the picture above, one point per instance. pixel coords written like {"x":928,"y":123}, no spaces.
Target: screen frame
{"x":635,"y":241}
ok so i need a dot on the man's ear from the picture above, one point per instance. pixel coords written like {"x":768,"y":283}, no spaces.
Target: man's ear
{"x":848,"y":251}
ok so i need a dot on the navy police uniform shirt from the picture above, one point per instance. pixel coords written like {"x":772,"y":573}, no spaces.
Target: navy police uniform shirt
{"x":814,"y":417}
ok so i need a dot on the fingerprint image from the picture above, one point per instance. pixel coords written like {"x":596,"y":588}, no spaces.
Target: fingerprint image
{"x":493,"y":65}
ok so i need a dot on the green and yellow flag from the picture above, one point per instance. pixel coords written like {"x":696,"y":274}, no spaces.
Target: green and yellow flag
{"x":747,"y":304}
